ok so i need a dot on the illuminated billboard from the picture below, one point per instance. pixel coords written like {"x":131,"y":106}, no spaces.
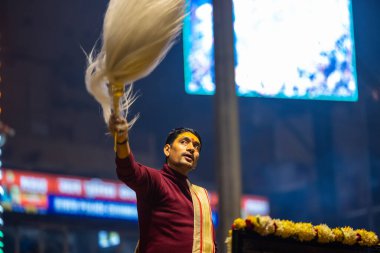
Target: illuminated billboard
{"x":301,"y":49}
{"x":38,"y":193}
{"x":49,"y":194}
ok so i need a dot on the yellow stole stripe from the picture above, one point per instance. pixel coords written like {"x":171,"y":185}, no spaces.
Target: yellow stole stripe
{"x":203,"y":241}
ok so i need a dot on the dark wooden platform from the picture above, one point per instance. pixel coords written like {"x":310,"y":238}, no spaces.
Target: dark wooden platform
{"x":251,"y":242}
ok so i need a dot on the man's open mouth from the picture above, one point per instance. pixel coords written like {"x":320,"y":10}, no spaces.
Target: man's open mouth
{"x":189,"y":157}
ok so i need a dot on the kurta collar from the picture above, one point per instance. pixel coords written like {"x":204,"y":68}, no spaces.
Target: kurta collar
{"x":174,"y":174}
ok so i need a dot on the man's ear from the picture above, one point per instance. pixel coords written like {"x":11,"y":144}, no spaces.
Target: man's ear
{"x":167,"y":150}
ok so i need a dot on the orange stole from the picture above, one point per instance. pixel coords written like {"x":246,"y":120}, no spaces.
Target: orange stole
{"x":203,"y":241}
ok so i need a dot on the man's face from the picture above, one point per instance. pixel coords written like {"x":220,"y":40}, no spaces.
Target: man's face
{"x":183,"y":154}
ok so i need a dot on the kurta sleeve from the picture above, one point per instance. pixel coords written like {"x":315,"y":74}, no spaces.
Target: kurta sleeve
{"x":143,"y":180}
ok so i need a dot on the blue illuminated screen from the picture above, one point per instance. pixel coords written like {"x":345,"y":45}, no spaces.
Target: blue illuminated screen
{"x":301,"y":49}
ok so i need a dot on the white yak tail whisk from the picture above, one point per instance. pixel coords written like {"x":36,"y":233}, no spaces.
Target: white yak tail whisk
{"x":137,"y":34}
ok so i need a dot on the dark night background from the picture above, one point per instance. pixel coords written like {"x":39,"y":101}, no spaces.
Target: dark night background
{"x":316,"y":161}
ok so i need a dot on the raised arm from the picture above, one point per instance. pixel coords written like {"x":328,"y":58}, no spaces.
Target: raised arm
{"x":141,"y":179}
{"x":119,"y":126}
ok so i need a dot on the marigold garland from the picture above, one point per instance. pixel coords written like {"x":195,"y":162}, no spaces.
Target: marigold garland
{"x":302,"y":231}
{"x":338,"y":234}
{"x":266,"y":225}
{"x":349,"y":236}
{"x":324,"y":233}
{"x":284,"y":228}
{"x":238,"y":224}
{"x":305,"y":231}
{"x":367,"y":238}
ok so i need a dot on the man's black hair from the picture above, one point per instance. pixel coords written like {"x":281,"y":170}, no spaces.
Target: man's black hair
{"x":173,"y":134}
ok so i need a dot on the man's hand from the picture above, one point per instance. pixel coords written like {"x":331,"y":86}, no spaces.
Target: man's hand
{"x":119,"y":126}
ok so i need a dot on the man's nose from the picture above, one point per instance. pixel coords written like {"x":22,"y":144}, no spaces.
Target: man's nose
{"x":190,"y":147}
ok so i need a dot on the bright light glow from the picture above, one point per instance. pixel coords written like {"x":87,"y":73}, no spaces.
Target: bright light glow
{"x":254,"y":206}
{"x":108,"y":239}
{"x":287,"y":49}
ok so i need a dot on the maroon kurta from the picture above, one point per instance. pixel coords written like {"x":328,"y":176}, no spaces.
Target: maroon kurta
{"x":164,"y":206}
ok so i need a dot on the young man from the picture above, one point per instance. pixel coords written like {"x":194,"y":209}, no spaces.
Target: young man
{"x":174,"y":215}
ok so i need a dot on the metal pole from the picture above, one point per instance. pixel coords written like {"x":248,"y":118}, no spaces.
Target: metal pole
{"x":227,"y":121}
